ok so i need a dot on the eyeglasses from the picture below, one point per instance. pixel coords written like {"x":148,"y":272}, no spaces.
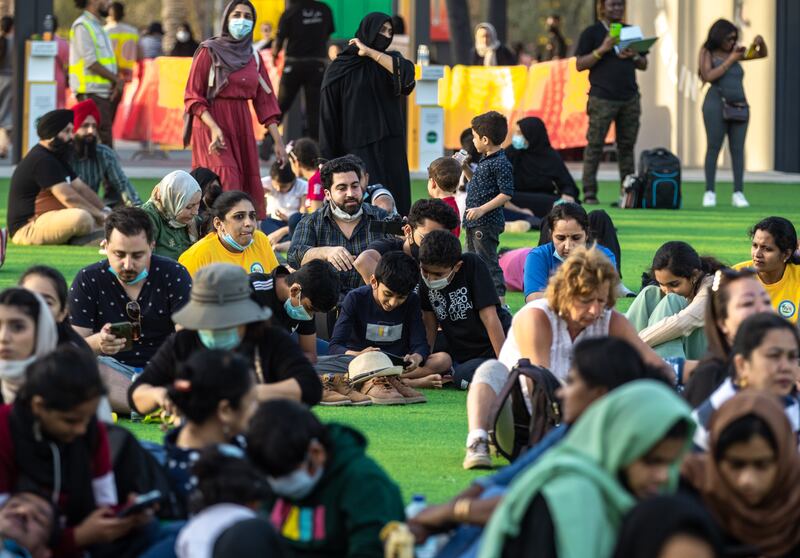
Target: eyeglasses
{"x":134,"y":312}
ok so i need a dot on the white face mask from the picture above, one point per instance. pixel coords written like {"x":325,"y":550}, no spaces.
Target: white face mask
{"x":182,"y":36}
{"x":437,"y":284}
{"x":296,"y":485}
{"x":14,"y":369}
{"x":343,"y":215}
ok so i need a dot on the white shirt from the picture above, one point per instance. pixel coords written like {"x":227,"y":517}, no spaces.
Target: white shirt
{"x":287,"y":202}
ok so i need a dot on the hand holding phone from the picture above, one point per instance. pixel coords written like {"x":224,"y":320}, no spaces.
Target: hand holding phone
{"x":123,"y":330}
{"x":141,"y":503}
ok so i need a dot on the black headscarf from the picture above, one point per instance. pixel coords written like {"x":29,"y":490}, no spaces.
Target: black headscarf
{"x":50,"y":124}
{"x":187,"y":48}
{"x":651,"y":524}
{"x":538,"y":166}
{"x":227,"y":54}
{"x":349,"y":60}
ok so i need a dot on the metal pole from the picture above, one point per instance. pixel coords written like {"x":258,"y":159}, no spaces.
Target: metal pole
{"x":28,"y":19}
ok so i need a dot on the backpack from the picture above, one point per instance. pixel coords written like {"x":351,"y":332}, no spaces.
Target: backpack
{"x":529,"y":428}
{"x":658,"y":184}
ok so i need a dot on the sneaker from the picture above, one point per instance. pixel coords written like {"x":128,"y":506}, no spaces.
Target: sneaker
{"x":330,"y":396}
{"x":709,"y":199}
{"x":478,"y":455}
{"x":409,"y":394}
{"x":341,"y":385}
{"x":381,"y":392}
{"x":738,"y":200}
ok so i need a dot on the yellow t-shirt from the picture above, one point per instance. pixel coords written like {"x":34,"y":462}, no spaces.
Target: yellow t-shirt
{"x":785,"y":294}
{"x":257,"y":258}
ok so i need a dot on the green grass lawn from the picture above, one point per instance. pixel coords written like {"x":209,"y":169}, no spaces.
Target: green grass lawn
{"x":421,"y":446}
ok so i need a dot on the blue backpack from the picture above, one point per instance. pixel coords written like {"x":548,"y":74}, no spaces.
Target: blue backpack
{"x":658,"y":185}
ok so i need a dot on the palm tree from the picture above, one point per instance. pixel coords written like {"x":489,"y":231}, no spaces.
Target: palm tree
{"x":6,"y":7}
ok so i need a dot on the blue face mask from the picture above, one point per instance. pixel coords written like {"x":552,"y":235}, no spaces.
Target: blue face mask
{"x":138,"y":279}
{"x":297,"y":313}
{"x":228,"y":239}
{"x":518,"y":141}
{"x":240,"y":28}
{"x":222,"y":339}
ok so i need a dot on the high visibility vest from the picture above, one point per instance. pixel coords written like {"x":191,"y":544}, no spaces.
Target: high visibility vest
{"x":125,"y":48}
{"x":78,"y":69}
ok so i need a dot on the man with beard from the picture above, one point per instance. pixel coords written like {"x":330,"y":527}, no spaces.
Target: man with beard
{"x":47,"y":202}
{"x":123,"y":306}
{"x":92,"y":63}
{"x":96,"y":163}
{"x":27,"y":521}
{"x":340,"y":229}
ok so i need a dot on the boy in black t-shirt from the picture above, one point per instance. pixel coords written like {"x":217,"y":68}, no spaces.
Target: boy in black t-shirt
{"x":457,"y":294}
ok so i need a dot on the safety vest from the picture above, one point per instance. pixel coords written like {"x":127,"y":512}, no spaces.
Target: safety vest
{"x":78,"y":69}
{"x":125,"y":40}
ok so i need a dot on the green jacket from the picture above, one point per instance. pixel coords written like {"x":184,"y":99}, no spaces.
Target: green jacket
{"x":346,"y":511}
{"x":170,"y":242}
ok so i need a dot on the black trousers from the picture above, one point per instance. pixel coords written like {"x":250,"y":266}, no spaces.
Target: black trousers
{"x":306,"y":73}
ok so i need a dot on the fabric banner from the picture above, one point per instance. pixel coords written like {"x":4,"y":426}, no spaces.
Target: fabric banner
{"x":152,"y":105}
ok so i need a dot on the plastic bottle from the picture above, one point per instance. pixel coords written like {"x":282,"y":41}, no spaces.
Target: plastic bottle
{"x":423,"y":55}
{"x":431,"y":547}
{"x":48,"y":27}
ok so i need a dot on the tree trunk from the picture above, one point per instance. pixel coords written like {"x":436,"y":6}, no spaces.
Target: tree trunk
{"x":173,"y":14}
{"x":498,"y":16}
{"x":461,"y":41}
{"x":6,"y":7}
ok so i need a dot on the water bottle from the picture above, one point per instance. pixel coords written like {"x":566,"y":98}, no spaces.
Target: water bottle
{"x":423,"y":55}
{"x":48,"y":27}
{"x":417,"y":504}
{"x":430,"y":547}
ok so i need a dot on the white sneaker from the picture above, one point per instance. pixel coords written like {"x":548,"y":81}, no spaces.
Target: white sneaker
{"x":478,"y":455}
{"x":738,"y":200}
{"x":709,"y":199}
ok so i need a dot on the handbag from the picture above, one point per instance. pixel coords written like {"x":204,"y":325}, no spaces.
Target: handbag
{"x":735,"y":112}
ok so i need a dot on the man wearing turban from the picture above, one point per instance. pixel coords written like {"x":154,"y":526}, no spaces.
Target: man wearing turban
{"x":96,"y":163}
{"x":47,"y":202}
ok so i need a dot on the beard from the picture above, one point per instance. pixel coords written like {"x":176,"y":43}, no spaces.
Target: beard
{"x":85,"y":147}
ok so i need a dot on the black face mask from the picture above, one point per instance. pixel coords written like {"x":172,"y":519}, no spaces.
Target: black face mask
{"x":85,"y":147}
{"x":59,"y":146}
{"x":381,"y":43}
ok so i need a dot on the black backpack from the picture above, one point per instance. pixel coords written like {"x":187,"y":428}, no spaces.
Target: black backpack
{"x":529,"y":428}
{"x":658,"y":184}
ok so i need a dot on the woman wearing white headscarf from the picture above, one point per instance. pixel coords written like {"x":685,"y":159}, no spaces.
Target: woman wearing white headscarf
{"x":488,"y":49}
{"x":27,"y":332}
{"x":173,"y":208}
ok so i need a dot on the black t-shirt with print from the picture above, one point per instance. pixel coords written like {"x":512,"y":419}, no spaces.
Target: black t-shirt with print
{"x":306,"y":27}
{"x":457,"y":308}
{"x":612,"y":78}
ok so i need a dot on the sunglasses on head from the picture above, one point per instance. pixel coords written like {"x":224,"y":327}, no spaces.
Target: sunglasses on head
{"x":134,"y":312}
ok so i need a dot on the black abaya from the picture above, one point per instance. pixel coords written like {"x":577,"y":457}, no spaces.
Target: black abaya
{"x":361,"y":112}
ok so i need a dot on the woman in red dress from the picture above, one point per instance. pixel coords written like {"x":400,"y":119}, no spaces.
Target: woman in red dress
{"x":222,"y":135}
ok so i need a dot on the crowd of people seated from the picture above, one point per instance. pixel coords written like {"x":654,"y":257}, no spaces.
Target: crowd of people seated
{"x":229,"y":328}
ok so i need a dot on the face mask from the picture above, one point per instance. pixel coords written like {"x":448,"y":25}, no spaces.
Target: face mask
{"x":240,"y":28}
{"x":557,"y":256}
{"x":518,"y":141}
{"x":59,"y":146}
{"x":228,"y":239}
{"x":182,"y":36}
{"x":13,"y":369}
{"x":222,"y":339}
{"x":381,"y":42}
{"x":437,"y":284}
{"x":343,"y":215}
{"x":296,"y":485}
{"x":297,"y":313}
{"x":138,"y":279}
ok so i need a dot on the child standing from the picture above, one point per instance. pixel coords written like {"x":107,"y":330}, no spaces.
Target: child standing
{"x":443,"y":176}
{"x":456,"y":294}
{"x":490,"y":188}
{"x":386,"y":316}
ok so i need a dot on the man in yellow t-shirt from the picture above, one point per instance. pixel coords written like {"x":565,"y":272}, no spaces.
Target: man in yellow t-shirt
{"x":785,"y":293}
{"x":258,"y":257}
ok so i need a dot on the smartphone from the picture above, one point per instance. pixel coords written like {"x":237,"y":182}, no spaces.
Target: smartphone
{"x":614,"y":30}
{"x":123,"y":330}
{"x":141,"y":503}
{"x":461,"y":156}
{"x":397,"y":360}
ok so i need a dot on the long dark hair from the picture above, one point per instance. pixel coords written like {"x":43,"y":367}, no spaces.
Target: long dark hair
{"x":783,"y":233}
{"x":718,"y":34}
{"x":610,"y":362}
{"x":54,"y":276}
{"x":682,"y":260}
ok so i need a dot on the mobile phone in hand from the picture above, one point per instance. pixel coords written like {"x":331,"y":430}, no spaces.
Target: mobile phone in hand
{"x":141,"y":503}
{"x":123,"y":330}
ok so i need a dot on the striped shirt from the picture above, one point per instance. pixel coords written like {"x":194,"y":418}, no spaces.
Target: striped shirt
{"x":104,"y":169}
{"x":702,"y":414}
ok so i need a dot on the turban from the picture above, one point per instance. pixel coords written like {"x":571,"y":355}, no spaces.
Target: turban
{"x":84,"y":109}
{"x":50,"y":124}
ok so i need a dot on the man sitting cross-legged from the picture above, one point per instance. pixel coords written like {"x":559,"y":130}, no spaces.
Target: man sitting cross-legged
{"x":47,"y":202}
{"x":123,"y":306}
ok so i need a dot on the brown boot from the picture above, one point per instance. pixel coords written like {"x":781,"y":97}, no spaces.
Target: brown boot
{"x":331,"y":397}
{"x":409,"y":394}
{"x":341,"y":385}
{"x":381,"y":392}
